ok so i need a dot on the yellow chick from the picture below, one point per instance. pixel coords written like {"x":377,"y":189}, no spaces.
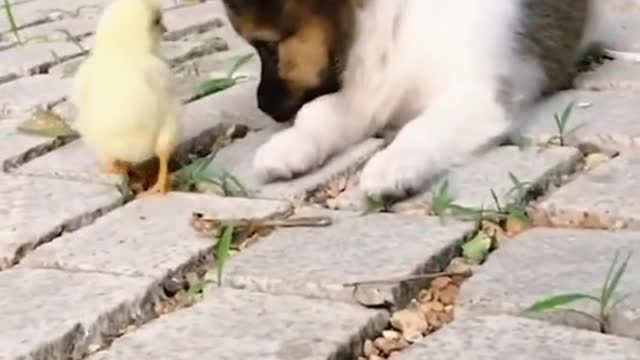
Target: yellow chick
{"x":127,"y":107}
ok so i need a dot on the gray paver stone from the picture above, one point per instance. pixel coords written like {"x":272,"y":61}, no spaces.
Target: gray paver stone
{"x":34,"y":210}
{"x":471,"y":185}
{"x":543,"y":262}
{"x":76,"y":27}
{"x":149,"y":236}
{"x":316,"y":262}
{"x":194,"y":18}
{"x":622,"y":25}
{"x":607,"y":119}
{"x":238,"y":159}
{"x":16,"y":147}
{"x":606,"y":197}
{"x":29,"y":13}
{"x":616,"y":75}
{"x":230,"y":324}
{"x":55,"y":315}
{"x":27,"y":94}
{"x":506,"y":337}
{"x":76,"y":161}
{"x":33,"y":58}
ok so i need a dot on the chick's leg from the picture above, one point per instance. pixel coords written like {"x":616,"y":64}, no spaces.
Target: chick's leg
{"x":162,"y":183}
{"x":164,"y":149}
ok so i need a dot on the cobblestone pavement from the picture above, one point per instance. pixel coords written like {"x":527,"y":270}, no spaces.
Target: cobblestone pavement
{"x":86,"y":274}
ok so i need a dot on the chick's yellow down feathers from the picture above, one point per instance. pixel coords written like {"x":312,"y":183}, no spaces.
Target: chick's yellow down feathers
{"x":127,"y":108}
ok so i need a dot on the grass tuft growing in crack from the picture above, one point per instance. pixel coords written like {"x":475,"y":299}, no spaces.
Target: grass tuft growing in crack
{"x":562,"y":123}
{"x":511,"y":217}
{"x":202,"y":172}
{"x":12,"y":21}
{"x":223,"y":251}
{"x":605,"y":300}
{"x":215,"y":85}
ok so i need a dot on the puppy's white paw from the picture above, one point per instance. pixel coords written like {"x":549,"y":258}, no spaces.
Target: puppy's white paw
{"x":287,"y":154}
{"x":394,"y":173}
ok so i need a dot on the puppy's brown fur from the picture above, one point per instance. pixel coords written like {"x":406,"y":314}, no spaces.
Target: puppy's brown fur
{"x":302,"y":46}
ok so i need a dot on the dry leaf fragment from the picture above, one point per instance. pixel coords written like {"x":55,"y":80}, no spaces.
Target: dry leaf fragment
{"x":46,"y":123}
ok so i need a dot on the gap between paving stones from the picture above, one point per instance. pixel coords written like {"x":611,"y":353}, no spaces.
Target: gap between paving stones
{"x":576,"y":260}
{"x":141,"y":287}
{"x":30,"y":222}
{"x":197,"y":134}
{"x":205,"y":120}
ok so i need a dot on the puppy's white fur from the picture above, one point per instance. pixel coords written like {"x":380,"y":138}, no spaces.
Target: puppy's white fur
{"x":433,"y":68}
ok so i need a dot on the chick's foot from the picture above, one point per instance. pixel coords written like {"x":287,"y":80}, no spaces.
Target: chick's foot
{"x":162,"y":184}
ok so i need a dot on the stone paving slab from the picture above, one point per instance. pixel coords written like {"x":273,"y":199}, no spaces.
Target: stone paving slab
{"x":149,"y":236}
{"x":194,"y":18}
{"x":30,"y":13}
{"x":230,"y":324}
{"x":316,"y":262}
{"x":27,"y":94}
{"x":506,"y":337}
{"x":176,"y":52}
{"x":16,"y":147}
{"x":78,"y":28}
{"x":238,"y":160}
{"x":543,"y":262}
{"x":605,"y":198}
{"x":606,"y":119}
{"x":76,"y":161}
{"x":33,"y":58}
{"x":615,"y":75}
{"x":33,"y":211}
{"x":471,"y":185}
{"x":50,"y":314}
{"x":623,"y":25}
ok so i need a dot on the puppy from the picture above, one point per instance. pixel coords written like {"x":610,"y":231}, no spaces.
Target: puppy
{"x":450,"y":74}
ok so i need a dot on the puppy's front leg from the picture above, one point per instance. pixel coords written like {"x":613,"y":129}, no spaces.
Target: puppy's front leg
{"x":323,"y":127}
{"x":456,"y":124}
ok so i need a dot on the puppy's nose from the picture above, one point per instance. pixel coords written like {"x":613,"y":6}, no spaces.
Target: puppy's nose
{"x":277,"y":111}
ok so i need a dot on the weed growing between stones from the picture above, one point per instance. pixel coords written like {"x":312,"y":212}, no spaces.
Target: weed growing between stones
{"x":234,"y":235}
{"x":562,"y":121}
{"x":512,"y":216}
{"x":12,"y":21}
{"x":605,"y":300}
{"x":202,"y":173}
{"x":215,"y":85}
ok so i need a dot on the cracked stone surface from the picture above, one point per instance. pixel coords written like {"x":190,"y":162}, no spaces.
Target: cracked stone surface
{"x":250,"y":326}
{"x":471,"y":185}
{"x":14,"y":146}
{"x":606,"y":119}
{"x":31,"y":93}
{"x":30,"y":58}
{"x":76,"y":161}
{"x":137,"y":240}
{"x":507,"y":337}
{"x":33,"y":211}
{"x":354,"y":248}
{"x":544,"y":262}
{"x":85,"y":276}
{"x":238,"y":159}
{"x":617,"y":75}
{"x":51,"y":314}
{"x":605,"y":198}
